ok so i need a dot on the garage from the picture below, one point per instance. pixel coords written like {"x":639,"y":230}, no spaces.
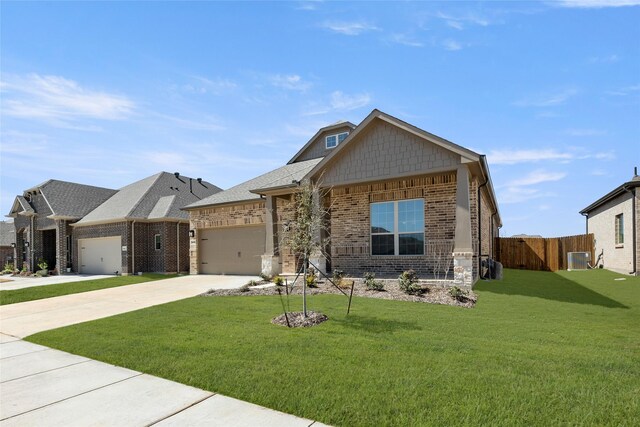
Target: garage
{"x":232,"y":250}
{"x":100,"y":255}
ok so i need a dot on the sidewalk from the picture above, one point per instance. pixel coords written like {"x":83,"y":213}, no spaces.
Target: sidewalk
{"x":43,"y":386}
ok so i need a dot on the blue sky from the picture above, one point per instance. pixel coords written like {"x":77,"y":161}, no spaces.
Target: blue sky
{"x":107,"y":93}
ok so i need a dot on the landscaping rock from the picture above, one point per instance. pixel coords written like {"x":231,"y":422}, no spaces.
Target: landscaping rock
{"x":297,"y":319}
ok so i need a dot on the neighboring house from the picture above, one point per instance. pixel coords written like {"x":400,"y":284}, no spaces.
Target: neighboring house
{"x":7,"y":243}
{"x":398,"y":198}
{"x":42,"y":220}
{"x":140,"y":228}
{"x":614,"y":220}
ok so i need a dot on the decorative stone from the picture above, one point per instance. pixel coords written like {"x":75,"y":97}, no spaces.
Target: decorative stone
{"x":463,"y":269}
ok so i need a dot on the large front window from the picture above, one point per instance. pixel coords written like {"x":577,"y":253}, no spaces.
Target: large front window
{"x":397,"y":228}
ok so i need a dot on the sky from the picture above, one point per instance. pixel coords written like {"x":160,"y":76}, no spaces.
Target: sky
{"x":107,"y":93}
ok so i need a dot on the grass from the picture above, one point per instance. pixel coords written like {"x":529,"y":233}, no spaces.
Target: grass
{"x":538,"y":349}
{"x":48,"y":291}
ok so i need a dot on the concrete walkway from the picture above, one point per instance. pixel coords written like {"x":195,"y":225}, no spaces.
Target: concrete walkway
{"x":41,"y":386}
{"x":19,"y":282}
{"x":27,"y":318}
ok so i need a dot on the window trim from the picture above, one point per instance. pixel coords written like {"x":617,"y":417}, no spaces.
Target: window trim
{"x":337,"y":135}
{"x":396,"y":234}
{"x":157,"y":240}
{"x":619,"y":230}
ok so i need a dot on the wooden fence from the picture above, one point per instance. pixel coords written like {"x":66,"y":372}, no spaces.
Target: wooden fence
{"x":537,"y":253}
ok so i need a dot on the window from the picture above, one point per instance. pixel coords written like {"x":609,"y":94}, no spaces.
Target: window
{"x":333,"y":140}
{"x":397,"y":228}
{"x":619,"y":229}
{"x":158,"y":242}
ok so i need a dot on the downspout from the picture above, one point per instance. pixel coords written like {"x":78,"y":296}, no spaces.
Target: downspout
{"x":633,"y":226}
{"x":31,"y":242}
{"x":133,"y":247}
{"x":178,"y":248}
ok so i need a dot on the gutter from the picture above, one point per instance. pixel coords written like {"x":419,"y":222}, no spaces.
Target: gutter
{"x":479,"y":203}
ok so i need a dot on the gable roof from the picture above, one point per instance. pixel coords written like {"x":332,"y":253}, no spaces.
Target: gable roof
{"x":7,"y":233}
{"x":618,"y":191}
{"x":377,"y":114}
{"x":337,"y":125}
{"x":249,"y":190}
{"x":159,"y":196}
{"x":66,"y":200}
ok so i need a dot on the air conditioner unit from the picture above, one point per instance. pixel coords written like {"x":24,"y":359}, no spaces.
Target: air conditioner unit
{"x":578,"y":260}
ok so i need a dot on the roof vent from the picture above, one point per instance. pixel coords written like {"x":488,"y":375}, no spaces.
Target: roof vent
{"x":177,"y":174}
{"x":199,"y":180}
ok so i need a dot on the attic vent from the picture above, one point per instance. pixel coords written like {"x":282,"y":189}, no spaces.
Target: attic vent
{"x":577,"y":260}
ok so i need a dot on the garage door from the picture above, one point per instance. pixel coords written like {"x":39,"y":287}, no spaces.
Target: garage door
{"x":233,"y":250}
{"x":100,"y":256}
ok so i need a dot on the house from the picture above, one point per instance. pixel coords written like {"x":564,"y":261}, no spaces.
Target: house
{"x":7,"y":243}
{"x":614,"y":221}
{"x":42,"y":221}
{"x":397,"y":198}
{"x":140,"y":228}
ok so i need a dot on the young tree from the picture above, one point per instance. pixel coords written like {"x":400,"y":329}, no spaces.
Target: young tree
{"x":303,"y":235}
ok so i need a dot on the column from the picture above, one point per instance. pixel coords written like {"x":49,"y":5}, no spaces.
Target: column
{"x":271,"y":258}
{"x":463,"y":250}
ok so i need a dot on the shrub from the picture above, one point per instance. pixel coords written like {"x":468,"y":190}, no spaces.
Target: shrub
{"x":265,"y":277}
{"x":371,"y":283}
{"x":42,"y":264}
{"x":246,"y":287}
{"x":252,"y":283}
{"x":409,"y":284}
{"x":338,"y":275}
{"x":8,"y":268}
{"x":459,"y":294}
{"x":278,"y":281}
{"x":312,"y":281}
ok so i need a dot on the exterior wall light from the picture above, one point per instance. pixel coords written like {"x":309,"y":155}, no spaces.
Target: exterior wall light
{"x":192,"y":233}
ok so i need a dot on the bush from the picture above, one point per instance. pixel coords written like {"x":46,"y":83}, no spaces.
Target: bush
{"x":252,"y":283}
{"x":278,"y":281}
{"x":409,"y":284}
{"x":312,"y":281}
{"x":338,"y":275}
{"x":42,"y":264}
{"x":265,"y":277}
{"x":246,"y":287}
{"x":459,"y":294}
{"x":8,"y":268}
{"x":371,"y":283}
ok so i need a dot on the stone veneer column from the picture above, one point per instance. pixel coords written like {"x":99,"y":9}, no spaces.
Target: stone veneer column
{"x":463,"y":251}
{"x":271,"y":257}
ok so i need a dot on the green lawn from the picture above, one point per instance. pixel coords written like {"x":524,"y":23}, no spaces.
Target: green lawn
{"x":538,"y":349}
{"x":48,"y":291}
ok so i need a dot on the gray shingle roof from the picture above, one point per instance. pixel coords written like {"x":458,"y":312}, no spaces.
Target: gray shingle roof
{"x":276,"y":178}
{"x":25,"y":204}
{"x":7,"y":233}
{"x":68,"y":199}
{"x":159,"y":196}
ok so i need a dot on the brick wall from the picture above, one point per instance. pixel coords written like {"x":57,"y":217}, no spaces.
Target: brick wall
{"x":6,"y":255}
{"x":350,"y":232}
{"x":250,"y":213}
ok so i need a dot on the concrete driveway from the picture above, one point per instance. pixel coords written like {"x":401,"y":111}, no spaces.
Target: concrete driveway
{"x":19,"y":282}
{"x":27,"y":318}
{"x":46,"y":387}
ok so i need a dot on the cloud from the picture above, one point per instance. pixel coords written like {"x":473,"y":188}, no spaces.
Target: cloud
{"x":405,"y":40}
{"x":354,"y":28}
{"x":458,"y":22}
{"x":584,"y":132}
{"x":547,"y":100}
{"x":309,"y":5}
{"x":203,"y":85}
{"x":451,"y":45}
{"x":594,"y":4}
{"x":537,"y":177}
{"x":61,"y":102}
{"x":604,"y":59}
{"x":512,"y":195}
{"x":290,"y":82}
{"x":343,"y":102}
{"x":624,"y":91}
{"x":512,"y":157}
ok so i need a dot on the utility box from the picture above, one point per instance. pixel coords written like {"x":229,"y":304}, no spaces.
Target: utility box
{"x":578,"y":260}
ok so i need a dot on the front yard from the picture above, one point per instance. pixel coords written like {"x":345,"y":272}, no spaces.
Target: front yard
{"x":538,"y":349}
{"x":49,"y":291}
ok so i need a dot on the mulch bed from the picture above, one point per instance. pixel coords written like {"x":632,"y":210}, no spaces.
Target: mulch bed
{"x":296,"y":319}
{"x":432,"y":295}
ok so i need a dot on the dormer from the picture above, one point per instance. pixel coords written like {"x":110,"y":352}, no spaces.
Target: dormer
{"x":324,"y":141}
